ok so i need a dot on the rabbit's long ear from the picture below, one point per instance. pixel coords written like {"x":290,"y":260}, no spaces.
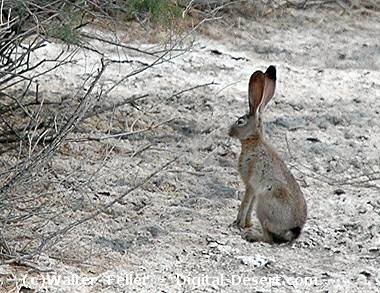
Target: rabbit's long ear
{"x":255,"y":90}
{"x":269,"y":86}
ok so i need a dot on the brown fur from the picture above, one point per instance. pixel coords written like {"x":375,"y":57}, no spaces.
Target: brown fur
{"x":270,"y":186}
{"x":256,"y":87}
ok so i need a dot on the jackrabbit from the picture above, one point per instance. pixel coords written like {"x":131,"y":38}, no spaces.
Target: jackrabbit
{"x":270,"y":187}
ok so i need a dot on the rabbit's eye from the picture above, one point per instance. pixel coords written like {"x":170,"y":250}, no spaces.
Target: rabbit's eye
{"x":240,"y":122}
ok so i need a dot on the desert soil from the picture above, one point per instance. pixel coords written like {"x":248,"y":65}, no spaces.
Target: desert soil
{"x":174,"y":234}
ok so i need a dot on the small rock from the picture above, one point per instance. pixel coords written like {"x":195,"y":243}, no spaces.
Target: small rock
{"x":362,"y":137}
{"x":341,"y":56}
{"x":255,"y":261}
{"x":374,"y":249}
{"x":339,"y":191}
{"x":365,"y":273}
{"x":336,"y":250}
{"x":221,"y":242}
{"x":24,"y":289}
{"x":362,"y":210}
{"x":313,"y":139}
{"x":325,"y":275}
{"x":216,"y":52}
{"x":209,"y":240}
{"x":213,"y":244}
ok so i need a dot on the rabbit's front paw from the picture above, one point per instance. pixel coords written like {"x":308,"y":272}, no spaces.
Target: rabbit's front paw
{"x":236,"y":224}
{"x":248,"y":223}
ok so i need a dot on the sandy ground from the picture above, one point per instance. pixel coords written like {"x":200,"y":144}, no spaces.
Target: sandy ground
{"x":174,"y":234}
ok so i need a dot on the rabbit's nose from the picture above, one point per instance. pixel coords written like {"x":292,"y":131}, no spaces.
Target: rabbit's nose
{"x":231,"y":132}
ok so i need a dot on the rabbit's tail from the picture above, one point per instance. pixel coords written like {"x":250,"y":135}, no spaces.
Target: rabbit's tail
{"x":288,"y":236}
